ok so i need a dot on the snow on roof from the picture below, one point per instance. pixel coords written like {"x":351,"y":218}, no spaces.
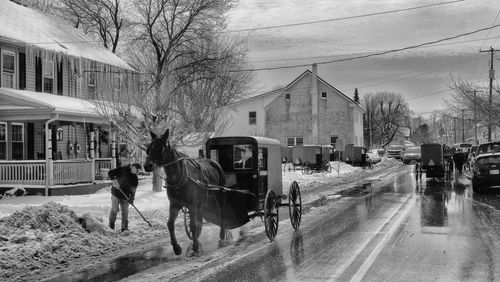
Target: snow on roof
{"x":59,"y":104}
{"x":24,"y":25}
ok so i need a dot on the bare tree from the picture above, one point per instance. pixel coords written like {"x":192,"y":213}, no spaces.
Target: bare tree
{"x":102,"y":19}
{"x":188,"y":71}
{"x":473,"y":99}
{"x":388,"y":113}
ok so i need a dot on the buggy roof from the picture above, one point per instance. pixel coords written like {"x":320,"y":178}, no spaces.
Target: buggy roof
{"x":232,"y":140}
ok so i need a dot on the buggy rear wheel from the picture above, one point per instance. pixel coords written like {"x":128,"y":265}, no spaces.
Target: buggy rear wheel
{"x":271,"y":215}
{"x":307,"y":168}
{"x":295,"y":205}
{"x":327,"y":167}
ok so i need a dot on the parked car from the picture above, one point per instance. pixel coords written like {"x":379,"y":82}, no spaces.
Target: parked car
{"x":395,"y":151}
{"x":488,"y":147}
{"x":412,"y":154}
{"x":486,"y":171}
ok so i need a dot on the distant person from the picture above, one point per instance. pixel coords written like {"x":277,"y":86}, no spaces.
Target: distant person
{"x":458,"y":159}
{"x":123,"y":190}
{"x":418,"y":171}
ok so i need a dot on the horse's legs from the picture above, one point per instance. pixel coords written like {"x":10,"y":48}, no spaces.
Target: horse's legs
{"x":196,"y":225}
{"x":173,"y":212}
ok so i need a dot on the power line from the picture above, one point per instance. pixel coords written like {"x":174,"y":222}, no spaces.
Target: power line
{"x":344,"y":18}
{"x":377,"y":53}
{"x":357,"y":54}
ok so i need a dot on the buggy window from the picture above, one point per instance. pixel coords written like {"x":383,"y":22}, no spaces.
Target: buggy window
{"x":263,"y":158}
{"x":242,"y":156}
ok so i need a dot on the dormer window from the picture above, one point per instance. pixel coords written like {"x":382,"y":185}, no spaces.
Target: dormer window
{"x":324,"y":95}
{"x":48,"y":75}
{"x":8,"y":69}
{"x":91,"y":80}
{"x":287,"y":96}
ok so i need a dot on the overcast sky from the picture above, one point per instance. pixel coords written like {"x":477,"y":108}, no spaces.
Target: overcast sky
{"x":422,"y":75}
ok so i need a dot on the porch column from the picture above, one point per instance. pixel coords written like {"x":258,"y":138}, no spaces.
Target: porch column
{"x":49,"y":163}
{"x":92,"y":155}
{"x":113,"y":150}
{"x":97,"y":143}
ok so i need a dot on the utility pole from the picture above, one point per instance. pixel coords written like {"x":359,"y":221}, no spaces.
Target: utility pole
{"x":454,"y":131}
{"x":492,"y":77}
{"x":463,"y":127}
{"x":475,"y":120}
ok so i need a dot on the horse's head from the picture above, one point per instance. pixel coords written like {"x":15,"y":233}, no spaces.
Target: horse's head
{"x":158,"y":151}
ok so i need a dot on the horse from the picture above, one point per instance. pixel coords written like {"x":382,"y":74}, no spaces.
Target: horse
{"x":187,"y":186}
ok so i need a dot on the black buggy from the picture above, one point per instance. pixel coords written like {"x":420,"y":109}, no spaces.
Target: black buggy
{"x":308,"y":158}
{"x":252,"y":166}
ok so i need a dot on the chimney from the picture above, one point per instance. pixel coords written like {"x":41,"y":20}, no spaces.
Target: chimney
{"x":314,"y":104}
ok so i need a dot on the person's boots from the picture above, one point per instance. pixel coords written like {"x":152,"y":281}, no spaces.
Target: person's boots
{"x":112,"y":225}
{"x":124,"y":225}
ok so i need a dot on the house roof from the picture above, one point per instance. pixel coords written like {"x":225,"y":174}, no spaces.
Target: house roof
{"x":17,"y":105}
{"x":306,"y":72}
{"x":26,"y":26}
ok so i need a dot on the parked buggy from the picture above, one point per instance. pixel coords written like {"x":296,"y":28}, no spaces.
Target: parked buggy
{"x":309,"y":158}
{"x":355,"y":155}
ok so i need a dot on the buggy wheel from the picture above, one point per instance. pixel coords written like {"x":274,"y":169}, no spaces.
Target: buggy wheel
{"x":295,"y":205}
{"x":271,"y":214}
{"x":187,"y":221}
{"x":307,"y":168}
{"x":327,"y":167}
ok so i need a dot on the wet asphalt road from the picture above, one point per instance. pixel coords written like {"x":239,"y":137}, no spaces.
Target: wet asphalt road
{"x":389,"y":229}
{"x":394,"y":230}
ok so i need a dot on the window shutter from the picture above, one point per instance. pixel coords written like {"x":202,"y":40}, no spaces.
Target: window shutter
{"x":38,"y":74}
{"x":22,"y":71}
{"x":0,"y":70}
{"x":60,"y":78}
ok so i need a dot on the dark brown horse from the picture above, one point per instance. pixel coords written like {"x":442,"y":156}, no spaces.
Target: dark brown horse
{"x":187,"y":186}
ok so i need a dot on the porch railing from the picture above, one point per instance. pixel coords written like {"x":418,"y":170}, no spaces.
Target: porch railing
{"x":102,"y":163}
{"x":73,"y":171}
{"x":33,"y":172}
{"x":22,"y":172}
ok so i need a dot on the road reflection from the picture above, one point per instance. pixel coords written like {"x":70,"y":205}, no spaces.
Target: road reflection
{"x":297,"y":253}
{"x":434,"y":204}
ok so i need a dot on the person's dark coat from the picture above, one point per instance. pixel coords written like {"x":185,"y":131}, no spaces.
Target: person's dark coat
{"x":127,"y":180}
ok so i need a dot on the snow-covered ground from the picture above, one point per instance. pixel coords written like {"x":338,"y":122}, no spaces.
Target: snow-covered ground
{"x":43,"y":236}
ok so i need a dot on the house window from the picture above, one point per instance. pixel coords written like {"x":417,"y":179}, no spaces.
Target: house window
{"x":8,"y":69}
{"x":252,"y":117}
{"x":48,"y":76}
{"x":3,"y":140}
{"x":333,"y":141}
{"x":324,"y":95}
{"x":17,"y":141}
{"x":92,"y":79}
{"x":117,"y":82}
{"x":287,"y":96}
{"x":294,"y":141}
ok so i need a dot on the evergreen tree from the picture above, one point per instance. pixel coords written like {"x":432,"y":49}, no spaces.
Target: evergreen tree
{"x":356,"y":95}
